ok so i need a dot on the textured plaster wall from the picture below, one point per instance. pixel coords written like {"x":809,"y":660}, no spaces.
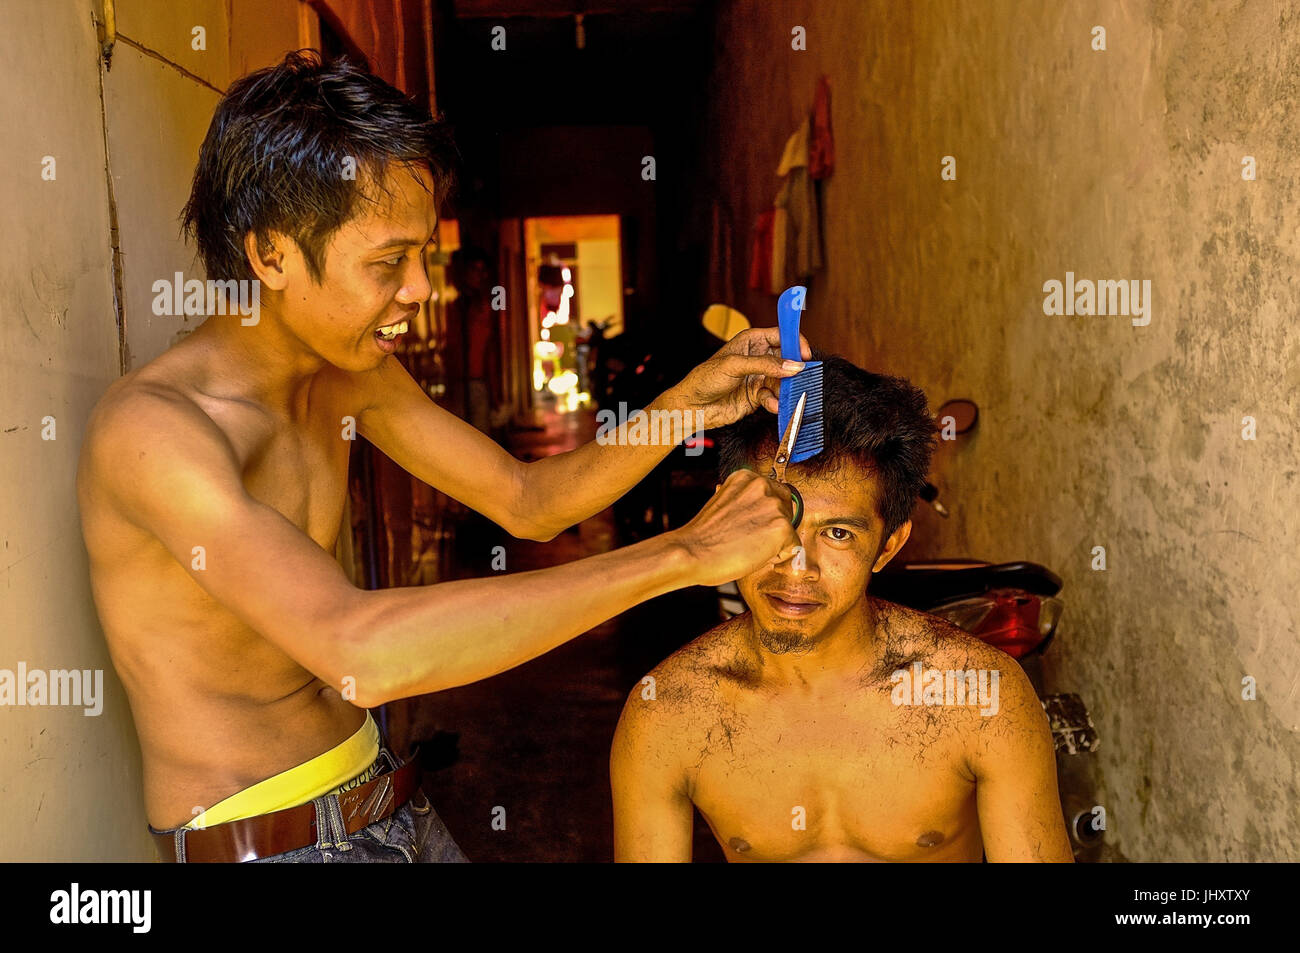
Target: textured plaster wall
{"x":70,"y":786}
{"x":1116,"y":164}
{"x":159,"y":96}
{"x":67,"y":781}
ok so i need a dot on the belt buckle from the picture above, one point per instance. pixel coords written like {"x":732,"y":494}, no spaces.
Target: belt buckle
{"x":375,"y":804}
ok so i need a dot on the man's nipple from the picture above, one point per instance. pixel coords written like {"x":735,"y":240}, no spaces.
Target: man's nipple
{"x":930,"y":839}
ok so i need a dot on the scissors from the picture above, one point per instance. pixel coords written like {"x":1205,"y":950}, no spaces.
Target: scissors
{"x":784,"y":451}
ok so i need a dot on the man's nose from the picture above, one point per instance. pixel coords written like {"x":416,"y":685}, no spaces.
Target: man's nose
{"x":415,"y":288}
{"x":801,"y":565}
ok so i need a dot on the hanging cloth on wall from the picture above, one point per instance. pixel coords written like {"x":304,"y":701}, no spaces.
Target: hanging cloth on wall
{"x":760,"y":260}
{"x":780,"y":246}
{"x":797,"y":247}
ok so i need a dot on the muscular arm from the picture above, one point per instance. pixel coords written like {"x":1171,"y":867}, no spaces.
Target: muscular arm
{"x":540,"y":499}
{"x":529,"y":500}
{"x":170,"y":470}
{"x":653,"y":816}
{"x":1015,"y":778}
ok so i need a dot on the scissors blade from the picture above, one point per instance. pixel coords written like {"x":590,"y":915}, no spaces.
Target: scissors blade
{"x":786,"y":450}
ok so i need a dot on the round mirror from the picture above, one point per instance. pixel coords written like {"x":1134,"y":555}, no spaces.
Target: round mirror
{"x":957,"y":416}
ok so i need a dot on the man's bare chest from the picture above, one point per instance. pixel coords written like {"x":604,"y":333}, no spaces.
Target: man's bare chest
{"x":859,"y":781}
{"x":303,"y":475}
{"x":297,"y":467}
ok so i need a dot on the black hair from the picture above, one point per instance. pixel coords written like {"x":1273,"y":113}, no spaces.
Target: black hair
{"x":882,"y":424}
{"x":275,"y":158}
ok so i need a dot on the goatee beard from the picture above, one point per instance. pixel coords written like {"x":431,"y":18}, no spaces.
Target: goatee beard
{"x":782,"y":643}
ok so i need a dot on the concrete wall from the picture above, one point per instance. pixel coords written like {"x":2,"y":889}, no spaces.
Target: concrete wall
{"x":159,"y":95}
{"x":1123,"y":163}
{"x":70,"y":784}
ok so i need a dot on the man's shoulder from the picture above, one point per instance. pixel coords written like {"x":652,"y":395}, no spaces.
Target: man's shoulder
{"x":678,"y":702}
{"x":697,"y":668}
{"x":139,"y":391}
{"x":689,"y":683}
{"x":914,"y":636}
{"x":146,"y":437}
{"x":141,"y":409}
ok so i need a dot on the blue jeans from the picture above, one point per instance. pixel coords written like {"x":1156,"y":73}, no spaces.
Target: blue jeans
{"x":413,"y":834}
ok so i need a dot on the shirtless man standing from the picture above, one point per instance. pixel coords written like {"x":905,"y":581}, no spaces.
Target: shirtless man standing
{"x":794,"y":728}
{"x":212,"y":484}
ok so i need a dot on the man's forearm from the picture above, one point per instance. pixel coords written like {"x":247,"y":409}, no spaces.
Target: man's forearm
{"x":414,"y":640}
{"x":558,"y":491}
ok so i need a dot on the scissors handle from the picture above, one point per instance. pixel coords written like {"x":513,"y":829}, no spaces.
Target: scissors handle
{"x":797,"y":500}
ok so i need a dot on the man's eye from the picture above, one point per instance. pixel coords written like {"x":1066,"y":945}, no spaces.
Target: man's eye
{"x":393,"y":262}
{"x":840,"y":534}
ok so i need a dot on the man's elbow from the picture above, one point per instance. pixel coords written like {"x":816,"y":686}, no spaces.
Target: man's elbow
{"x":539,"y":532}
{"x":355,"y":677}
{"x":367,"y":694}
{"x":357,"y":669}
{"x":526,"y":518}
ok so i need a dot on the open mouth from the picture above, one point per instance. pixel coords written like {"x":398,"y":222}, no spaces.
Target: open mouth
{"x":389,"y":332}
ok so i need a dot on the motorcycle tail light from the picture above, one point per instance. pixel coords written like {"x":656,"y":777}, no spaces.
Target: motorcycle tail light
{"x":1012,"y":620}
{"x":1012,"y":626}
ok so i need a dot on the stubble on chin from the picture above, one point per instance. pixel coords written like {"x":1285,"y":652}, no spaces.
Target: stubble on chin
{"x":782,"y":641}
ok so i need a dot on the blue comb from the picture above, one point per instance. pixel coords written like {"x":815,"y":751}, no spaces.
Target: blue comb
{"x":809,"y":380}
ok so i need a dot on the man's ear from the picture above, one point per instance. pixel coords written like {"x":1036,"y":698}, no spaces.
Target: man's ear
{"x":267,"y":259}
{"x":892,"y":545}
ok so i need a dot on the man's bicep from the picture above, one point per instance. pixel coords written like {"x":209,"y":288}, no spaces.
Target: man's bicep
{"x":1016,"y":791}
{"x":436,"y":446}
{"x":172,"y":473}
{"x":652,"y":813}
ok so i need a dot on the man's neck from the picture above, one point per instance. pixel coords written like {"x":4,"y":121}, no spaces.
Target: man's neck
{"x":264,"y":363}
{"x":841,"y":651}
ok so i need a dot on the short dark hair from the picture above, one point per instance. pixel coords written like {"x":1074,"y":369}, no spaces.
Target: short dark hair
{"x":275,"y":157}
{"x":881,"y":423}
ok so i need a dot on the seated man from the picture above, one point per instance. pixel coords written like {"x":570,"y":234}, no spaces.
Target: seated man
{"x":795,"y":728}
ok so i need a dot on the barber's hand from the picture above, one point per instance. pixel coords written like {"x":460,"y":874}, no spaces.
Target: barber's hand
{"x":743,"y":376}
{"x":745,"y":526}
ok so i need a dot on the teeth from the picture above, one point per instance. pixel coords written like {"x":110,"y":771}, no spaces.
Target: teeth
{"x":393,"y":330}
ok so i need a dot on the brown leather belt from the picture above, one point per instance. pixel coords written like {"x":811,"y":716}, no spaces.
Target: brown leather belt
{"x":268,"y":834}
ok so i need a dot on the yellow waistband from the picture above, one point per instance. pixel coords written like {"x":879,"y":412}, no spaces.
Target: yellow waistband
{"x":344,"y":766}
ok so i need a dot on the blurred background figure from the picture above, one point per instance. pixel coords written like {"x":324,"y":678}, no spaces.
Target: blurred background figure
{"x":472,"y":337}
